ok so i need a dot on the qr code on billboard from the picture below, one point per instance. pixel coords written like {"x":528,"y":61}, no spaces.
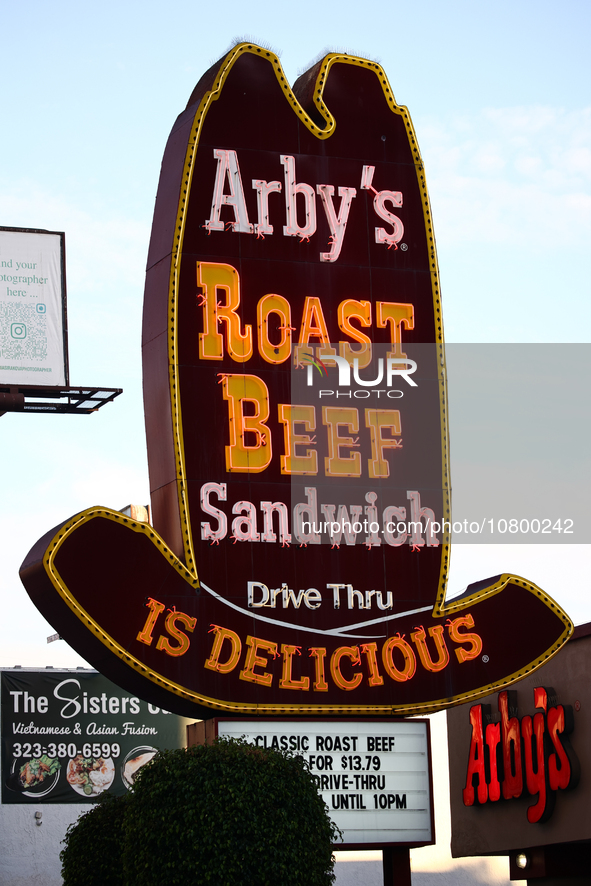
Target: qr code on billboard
{"x":23,"y":331}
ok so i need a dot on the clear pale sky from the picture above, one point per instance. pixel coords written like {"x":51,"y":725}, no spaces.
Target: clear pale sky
{"x":499,"y":96}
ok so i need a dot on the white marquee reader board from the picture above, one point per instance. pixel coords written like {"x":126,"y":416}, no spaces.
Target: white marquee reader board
{"x":374,"y":776}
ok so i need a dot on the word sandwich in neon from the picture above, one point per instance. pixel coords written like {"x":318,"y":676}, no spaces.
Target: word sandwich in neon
{"x":342,"y":524}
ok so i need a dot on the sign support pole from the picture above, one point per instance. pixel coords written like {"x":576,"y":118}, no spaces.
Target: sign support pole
{"x":396,"y":865}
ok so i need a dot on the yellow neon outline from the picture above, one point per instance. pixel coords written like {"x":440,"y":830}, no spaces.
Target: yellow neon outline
{"x":265,"y":346}
{"x":188,"y":570}
{"x":247,"y":423}
{"x":291,"y":440}
{"x":335,"y":441}
{"x":379,"y":443}
{"x":200,"y":115}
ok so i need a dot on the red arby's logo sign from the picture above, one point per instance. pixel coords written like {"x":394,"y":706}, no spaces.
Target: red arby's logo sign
{"x":296,"y":420}
{"x":517,"y":756}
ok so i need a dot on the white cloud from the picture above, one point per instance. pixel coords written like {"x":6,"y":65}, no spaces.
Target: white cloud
{"x":104,"y":248}
{"x":511,"y":175}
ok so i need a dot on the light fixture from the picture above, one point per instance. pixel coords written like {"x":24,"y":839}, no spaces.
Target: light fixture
{"x":522,"y":860}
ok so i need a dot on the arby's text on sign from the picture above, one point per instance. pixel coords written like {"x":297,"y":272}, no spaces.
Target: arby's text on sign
{"x":296,"y":419}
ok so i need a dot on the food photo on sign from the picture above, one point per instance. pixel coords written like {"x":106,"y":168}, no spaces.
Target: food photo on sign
{"x":296,"y":408}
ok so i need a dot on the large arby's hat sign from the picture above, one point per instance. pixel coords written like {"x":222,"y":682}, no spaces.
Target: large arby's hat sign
{"x":295,"y":404}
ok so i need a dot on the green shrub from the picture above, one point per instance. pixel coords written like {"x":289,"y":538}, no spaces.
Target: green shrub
{"x":93,"y":846}
{"x":227,"y":814}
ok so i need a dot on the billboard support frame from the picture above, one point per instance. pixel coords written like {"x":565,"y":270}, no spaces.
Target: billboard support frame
{"x":79,"y":401}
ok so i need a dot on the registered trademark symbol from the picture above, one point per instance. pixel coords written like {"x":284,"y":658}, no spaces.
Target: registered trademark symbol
{"x":404,"y":247}
{"x":485,"y":658}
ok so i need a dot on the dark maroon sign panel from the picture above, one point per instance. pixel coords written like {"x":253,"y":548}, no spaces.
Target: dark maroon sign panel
{"x":295,"y":407}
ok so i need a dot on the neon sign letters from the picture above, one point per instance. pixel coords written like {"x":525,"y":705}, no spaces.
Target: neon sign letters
{"x":516,"y":756}
{"x":228,"y":191}
{"x":296,"y":422}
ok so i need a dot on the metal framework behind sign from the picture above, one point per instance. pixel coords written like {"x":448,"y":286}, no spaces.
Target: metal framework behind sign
{"x":77,"y":401}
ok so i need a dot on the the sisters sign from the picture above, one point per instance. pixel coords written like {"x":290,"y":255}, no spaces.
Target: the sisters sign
{"x":295,"y":403}
{"x":70,"y":736}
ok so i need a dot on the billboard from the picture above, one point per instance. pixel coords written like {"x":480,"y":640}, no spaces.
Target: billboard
{"x":69,"y":736}
{"x":374,"y":776}
{"x":296,"y":420}
{"x":33,"y":323}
